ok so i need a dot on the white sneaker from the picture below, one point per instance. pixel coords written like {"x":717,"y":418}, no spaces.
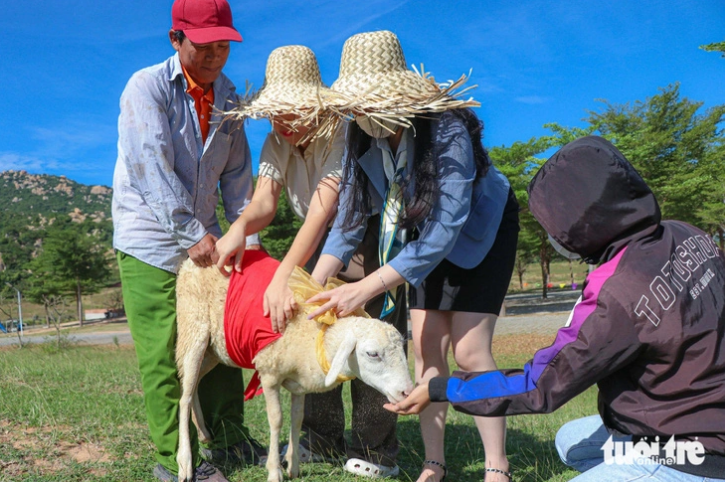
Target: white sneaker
{"x":370,"y":469}
{"x":307,"y":456}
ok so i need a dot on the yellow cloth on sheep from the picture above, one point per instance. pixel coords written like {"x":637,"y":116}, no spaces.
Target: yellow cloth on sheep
{"x":304,"y":287}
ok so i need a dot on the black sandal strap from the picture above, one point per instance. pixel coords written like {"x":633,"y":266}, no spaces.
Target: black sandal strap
{"x":437,"y":464}
{"x":499,"y":471}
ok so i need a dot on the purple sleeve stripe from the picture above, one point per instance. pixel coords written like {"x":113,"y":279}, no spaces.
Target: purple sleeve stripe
{"x":581,"y":312}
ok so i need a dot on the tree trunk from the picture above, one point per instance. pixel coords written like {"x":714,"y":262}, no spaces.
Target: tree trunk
{"x":571,"y":273}
{"x":520,"y":270}
{"x":721,"y":237}
{"x":47,"y":314}
{"x":79,"y":303}
{"x":544,"y":262}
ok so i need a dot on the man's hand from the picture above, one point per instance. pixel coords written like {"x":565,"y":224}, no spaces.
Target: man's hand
{"x":416,"y":402}
{"x":202,"y":253}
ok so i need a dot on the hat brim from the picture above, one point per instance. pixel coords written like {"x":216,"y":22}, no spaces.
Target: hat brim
{"x":399,"y":94}
{"x":212,"y":34}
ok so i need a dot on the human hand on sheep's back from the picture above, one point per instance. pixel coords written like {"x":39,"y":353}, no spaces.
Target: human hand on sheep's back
{"x":202,"y":253}
{"x":415,"y":403}
{"x":279,"y":303}
{"x":342,"y":300}
{"x":230,"y":249}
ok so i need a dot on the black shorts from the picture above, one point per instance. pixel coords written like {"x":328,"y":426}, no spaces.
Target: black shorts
{"x":480,"y":289}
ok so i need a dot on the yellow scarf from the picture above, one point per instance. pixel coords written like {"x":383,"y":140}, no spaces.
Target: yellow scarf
{"x":304,"y":288}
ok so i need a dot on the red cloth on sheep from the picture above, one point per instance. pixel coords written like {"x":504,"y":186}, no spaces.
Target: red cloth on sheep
{"x":246,"y":329}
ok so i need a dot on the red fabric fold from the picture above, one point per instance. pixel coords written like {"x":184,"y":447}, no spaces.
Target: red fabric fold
{"x":246,"y":329}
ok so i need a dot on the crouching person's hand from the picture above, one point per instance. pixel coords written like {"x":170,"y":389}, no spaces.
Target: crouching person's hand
{"x":416,"y":402}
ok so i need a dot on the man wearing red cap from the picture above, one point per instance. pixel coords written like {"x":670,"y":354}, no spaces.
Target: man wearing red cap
{"x":174,"y":156}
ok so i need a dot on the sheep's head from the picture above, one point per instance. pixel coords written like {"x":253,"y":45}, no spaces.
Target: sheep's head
{"x":374,"y":352}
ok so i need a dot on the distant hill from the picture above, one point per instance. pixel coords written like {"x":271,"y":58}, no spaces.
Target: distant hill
{"x":31,"y":203}
{"x":50,"y":196}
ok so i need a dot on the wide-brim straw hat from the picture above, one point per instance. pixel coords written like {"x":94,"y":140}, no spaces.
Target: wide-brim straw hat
{"x":375,"y":81}
{"x":292,"y":85}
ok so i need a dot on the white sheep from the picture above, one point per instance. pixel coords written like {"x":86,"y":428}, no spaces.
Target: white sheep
{"x":355,"y":347}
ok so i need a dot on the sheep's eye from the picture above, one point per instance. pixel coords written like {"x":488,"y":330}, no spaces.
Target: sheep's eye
{"x":373,"y":354}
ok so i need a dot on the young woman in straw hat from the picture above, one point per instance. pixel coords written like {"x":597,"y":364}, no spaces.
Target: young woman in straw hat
{"x":303,"y":155}
{"x":449,"y":223}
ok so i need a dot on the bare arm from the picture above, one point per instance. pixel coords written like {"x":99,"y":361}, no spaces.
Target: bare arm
{"x":347,"y":298}
{"x":328,"y":265}
{"x":279,"y":302}
{"x":255,"y":217}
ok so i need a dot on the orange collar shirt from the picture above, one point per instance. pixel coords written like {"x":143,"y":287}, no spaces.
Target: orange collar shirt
{"x":202,"y":102}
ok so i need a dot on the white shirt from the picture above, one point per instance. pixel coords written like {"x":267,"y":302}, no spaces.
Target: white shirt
{"x":301,"y":173}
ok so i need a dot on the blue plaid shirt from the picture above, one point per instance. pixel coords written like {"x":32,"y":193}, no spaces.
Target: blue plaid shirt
{"x":167,"y":180}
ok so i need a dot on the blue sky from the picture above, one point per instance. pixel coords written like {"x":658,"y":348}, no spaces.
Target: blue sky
{"x":65,"y":63}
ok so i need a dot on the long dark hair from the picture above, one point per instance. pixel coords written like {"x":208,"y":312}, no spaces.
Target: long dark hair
{"x":425,"y":167}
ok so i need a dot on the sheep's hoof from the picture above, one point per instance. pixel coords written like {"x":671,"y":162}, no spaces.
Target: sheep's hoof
{"x":275,"y":476}
{"x":186,"y":471}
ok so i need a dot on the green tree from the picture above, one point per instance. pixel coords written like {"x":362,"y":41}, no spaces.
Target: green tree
{"x":42,"y":289}
{"x":277,"y":238}
{"x":714,"y":47}
{"x":519,"y":163}
{"x":73,"y":262}
{"x":677,"y":148}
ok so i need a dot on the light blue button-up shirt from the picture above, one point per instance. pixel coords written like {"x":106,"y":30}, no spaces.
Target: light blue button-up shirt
{"x":463,"y":222}
{"x":167,"y":181}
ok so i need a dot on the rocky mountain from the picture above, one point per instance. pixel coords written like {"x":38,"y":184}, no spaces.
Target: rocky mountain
{"x":49,"y":196}
{"x":32,"y":204}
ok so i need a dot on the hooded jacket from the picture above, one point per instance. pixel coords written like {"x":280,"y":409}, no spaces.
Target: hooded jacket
{"x":649,"y":326}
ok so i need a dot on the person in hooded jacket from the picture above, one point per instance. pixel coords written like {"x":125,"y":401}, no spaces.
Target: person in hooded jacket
{"x":649,"y":330}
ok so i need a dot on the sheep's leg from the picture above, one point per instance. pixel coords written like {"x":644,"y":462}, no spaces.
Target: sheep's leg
{"x":190,"y":366}
{"x":198,"y":418}
{"x":274,"y":416}
{"x":293,"y":457}
{"x":196,"y":414}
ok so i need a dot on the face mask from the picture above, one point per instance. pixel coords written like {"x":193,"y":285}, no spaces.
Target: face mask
{"x":561,"y":250}
{"x":372,"y":127}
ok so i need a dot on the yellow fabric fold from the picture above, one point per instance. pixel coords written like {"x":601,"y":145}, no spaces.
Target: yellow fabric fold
{"x":304,"y":287}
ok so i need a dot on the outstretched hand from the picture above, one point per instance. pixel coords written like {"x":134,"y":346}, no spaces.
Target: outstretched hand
{"x":416,"y":402}
{"x":342,"y":300}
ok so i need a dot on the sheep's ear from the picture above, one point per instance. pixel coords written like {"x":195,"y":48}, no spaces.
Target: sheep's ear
{"x":343,"y":352}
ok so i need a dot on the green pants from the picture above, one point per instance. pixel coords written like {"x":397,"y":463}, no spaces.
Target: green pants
{"x":149,"y":296}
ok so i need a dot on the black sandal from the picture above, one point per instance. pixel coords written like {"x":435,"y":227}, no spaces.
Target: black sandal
{"x":437,"y":464}
{"x":499,"y":471}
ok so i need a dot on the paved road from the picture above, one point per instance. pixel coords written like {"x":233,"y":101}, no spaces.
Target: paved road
{"x":105,"y":338}
{"x":539,"y":323}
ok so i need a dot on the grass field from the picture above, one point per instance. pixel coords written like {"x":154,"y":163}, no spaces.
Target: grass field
{"x":77,"y":415}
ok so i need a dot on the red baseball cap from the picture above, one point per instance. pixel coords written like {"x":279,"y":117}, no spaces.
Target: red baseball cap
{"x":204,"y":21}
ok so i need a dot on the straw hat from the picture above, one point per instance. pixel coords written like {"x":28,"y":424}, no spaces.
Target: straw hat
{"x":292,"y":85}
{"x":374,"y":80}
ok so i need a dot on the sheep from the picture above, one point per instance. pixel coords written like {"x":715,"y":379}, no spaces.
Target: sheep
{"x":354,"y":346}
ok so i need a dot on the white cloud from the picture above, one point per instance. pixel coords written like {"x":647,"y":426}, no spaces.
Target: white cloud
{"x":12,"y":161}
